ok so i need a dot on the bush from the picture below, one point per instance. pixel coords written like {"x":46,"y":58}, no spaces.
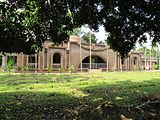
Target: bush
{"x":49,"y":69}
{"x":18,"y":68}
{"x":156,"y":67}
{"x":72,"y":69}
{"x":62,"y":70}
{"x":136,"y":68}
{"x":10,"y":66}
{"x":25,"y":68}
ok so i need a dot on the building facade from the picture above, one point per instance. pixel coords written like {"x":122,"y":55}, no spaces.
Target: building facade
{"x":77,"y":52}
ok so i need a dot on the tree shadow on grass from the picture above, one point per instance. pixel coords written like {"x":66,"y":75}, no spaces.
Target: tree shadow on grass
{"x":117,"y":101}
{"x":37,"y":106}
{"x":124,"y":99}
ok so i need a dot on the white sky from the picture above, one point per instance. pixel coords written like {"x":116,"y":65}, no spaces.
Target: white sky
{"x":148,"y":44}
{"x":101,"y":35}
{"x":3,"y":0}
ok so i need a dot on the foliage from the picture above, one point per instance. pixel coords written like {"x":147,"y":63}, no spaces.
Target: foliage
{"x":149,"y":52}
{"x":25,"y":68}
{"x":75,"y":32}
{"x":26,"y":24}
{"x":10,"y":65}
{"x":126,"y":21}
{"x":29,"y":23}
{"x":87,"y":36}
{"x":136,"y":68}
{"x":18,"y":68}
{"x":61,"y":70}
{"x":17,"y":19}
{"x":156,"y":67}
{"x":72,"y":69}
{"x":49,"y":69}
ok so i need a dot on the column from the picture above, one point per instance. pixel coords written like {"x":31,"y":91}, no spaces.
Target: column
{"x":52,"y":61}
{"x":115,"y":66}
{"x":117,"y":62}
{"x":39,"y":60}
{"x":22,"y":59}
{"x":121,"y":64}
{"x":43,"y":58}
{"x":128,"y":63}
{"x":47,"y":58}
{"x":65,"y":59}
{"x":36,"y":63}
{"x":4,"y":61}
{"x":69,"y":57}
{"x":27,"y":61}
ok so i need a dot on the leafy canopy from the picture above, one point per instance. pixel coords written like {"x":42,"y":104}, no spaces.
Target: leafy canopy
{"x":85,"y":35}
{"x":27,"y":24}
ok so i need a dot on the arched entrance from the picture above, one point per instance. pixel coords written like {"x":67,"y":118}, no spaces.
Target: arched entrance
{"x":12,"y":60}
{"x":135,"y":61}
{"x":96,"y":62}
{"x":56,"y":60}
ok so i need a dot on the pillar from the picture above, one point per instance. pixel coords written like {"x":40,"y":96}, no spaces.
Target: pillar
{"x":4,"y":60}
{"x":43,"y":54}
{"x":39,"y":61}
{"x":115,"y":64}
{"x":27,"y":61}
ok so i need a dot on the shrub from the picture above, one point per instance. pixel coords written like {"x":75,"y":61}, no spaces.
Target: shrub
{"x":18,"y":68}
{"x":72,"y":69}
{"x":25,"y":68}
{"x":49,"y":69}
{"x":10,"y":66}
{"x":136,"y":68}
{"x":61,"y":70}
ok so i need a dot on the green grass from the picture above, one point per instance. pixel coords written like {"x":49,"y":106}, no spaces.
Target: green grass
{"x":39,"y":97}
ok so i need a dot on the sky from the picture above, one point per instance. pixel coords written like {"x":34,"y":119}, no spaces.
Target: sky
{"x":2,"y":0}
{"x":101,"y":35}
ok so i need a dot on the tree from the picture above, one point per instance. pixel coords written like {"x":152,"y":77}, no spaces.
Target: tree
{"x":26,"y":24}
{"x":40,"y":20}
{"x":129,"y":21}
{"x":86,"y":37}
{"x":153,"y":51}
{"x":126,"y":21}
{"x":15,"y":23}
{"x":76,"y":32}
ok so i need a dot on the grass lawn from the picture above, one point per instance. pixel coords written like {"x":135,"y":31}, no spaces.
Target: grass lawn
{"x":101,"y":96}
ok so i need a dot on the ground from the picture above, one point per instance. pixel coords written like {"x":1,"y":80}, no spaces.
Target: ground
{"x":102,"y":96}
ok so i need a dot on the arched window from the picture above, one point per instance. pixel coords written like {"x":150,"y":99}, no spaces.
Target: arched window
{"x":134,"y":61}
{"x":12,"y":60}
{"x":56,"y":58}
